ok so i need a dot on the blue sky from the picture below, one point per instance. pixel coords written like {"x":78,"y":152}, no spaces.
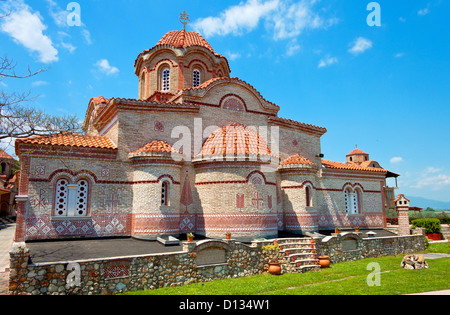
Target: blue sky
{"x":384,"y":88}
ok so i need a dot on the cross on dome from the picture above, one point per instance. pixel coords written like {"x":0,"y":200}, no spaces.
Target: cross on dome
{"x":184,"y":19}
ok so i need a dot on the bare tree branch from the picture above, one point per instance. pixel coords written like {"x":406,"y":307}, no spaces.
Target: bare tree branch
{"x":20,"y":121}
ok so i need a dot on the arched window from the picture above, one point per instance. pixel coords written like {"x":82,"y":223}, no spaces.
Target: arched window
{"x":82,"y":198}
{"x":196,"y":78}
{"x":71,"y":200}
{"x":165,"y":194}
{"x":352,"y":201}
{"x":308,"y":196}
{"x":166,"y":80}
{"x":143,"y":86}
{"x":61,"y":198}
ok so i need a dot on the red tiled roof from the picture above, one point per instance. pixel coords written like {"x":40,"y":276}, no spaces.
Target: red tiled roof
{"x":297,"y":159}
{"x":182,"y":39}
{"x":235,"y":139}
{"x":72,"y":140}
{"x":100,"y":100}
{"x":4,"y":155}
{"x":348,"y":166}
{"x":400,"y":196}
{"x":157,"y":146}
{"x":357,"y":152}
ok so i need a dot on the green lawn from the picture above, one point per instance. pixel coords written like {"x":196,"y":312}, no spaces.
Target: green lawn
{"x":339,"y":279}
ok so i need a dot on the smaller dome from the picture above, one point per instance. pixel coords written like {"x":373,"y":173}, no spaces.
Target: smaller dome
{"x":297,"y":159}
{"x":357,"y":152}
{"x":183,"y":39}
{"x":156,"y":146}
{"x":234,"y":140}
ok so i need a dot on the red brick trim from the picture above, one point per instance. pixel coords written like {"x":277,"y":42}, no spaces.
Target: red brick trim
{"x":302,"y":185}
{"x":97,"y":181}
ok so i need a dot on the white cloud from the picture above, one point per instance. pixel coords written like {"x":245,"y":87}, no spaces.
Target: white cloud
{"x":360,"y":45}
{"x":292,"y":47}
{"x":422,"y":12}
{"x":26,"y":28}
{"x":233,"y":56}
{"x":433,"y":178}
{"x":399,"y":55}
{"x":328,"y":61}
{"x":87,"y":36}
{"x":236,"y":19}
{"x":71,"y":48}
{"x":59,"y":15}
{"x":104,"y":66}
{"x":396,"y":159}
{"x":286,"y":18}
{"x":39,"y":83}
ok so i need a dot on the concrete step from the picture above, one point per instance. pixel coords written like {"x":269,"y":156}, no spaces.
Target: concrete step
{"x":305,"y":262}
{"x":295,"y":257}
{"x":307,"y":268}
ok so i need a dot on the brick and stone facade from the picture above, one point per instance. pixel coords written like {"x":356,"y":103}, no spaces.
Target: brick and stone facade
{"x":206,"y":156}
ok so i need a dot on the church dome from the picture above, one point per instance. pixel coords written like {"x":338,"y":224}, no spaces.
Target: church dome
{"x":297,"y":159}
{"x":357,"y":152}
{"x":183,"y":39}
{"x":235,"y":140}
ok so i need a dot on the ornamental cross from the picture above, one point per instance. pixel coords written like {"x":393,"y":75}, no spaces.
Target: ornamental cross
{"x":184,"y":19}
{"x":112,"y":203}
{"x":258,"y":201}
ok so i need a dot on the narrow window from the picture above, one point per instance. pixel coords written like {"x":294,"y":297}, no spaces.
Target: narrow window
{"x":82,"y":198}
{"x":143,"y":86}
{"x":308,"y":196}
{"x":355,"y":200}
{"x":166,"y":80}
{"x":61,"y":198}
{"x":165,"y":194}
{"x":348,"y":201}
{"x":196,"y":78}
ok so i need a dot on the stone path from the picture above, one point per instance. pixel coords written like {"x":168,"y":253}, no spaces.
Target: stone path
{"x":6,"y":240}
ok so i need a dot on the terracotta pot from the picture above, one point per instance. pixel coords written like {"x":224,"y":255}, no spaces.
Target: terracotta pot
{"x":357,"y":230}
{"x":324,"y":261}
{"x":434,"y":236}
{"x":190,"y":239}
{"x":275,"y":268}
{"x":228,"y":236}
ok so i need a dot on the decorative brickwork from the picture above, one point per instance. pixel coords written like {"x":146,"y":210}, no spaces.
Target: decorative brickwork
{"x":198,"y":152}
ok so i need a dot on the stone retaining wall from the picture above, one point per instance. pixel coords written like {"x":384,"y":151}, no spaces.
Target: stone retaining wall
{"x":351,"y":246}
{"x":198,"y":262}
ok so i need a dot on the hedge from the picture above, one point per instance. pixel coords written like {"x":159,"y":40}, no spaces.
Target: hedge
{"x":431,"y":225}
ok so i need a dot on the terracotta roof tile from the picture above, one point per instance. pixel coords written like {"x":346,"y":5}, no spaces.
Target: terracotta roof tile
{"x":297,"y":159}
{"x":4,"y":155}
{"x":235,"y":139}
{"x":183,"y":39}
{"x":400,"y":196}
{"x":73,"y":140}
{"x":157,"y":146}
{"x":357,"y":152}
{"x":348,"y":166}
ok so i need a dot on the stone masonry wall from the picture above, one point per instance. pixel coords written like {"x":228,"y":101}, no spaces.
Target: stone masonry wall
{"x":198,"y":262}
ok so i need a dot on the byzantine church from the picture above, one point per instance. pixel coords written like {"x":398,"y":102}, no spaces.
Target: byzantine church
{"x":197,"y":151}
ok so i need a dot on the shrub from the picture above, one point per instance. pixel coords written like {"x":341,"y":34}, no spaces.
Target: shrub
{"x":431,"y":225}
{"x":393,"y":221}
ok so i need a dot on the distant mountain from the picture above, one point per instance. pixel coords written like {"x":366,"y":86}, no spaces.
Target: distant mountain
{"x":425,"y":203}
